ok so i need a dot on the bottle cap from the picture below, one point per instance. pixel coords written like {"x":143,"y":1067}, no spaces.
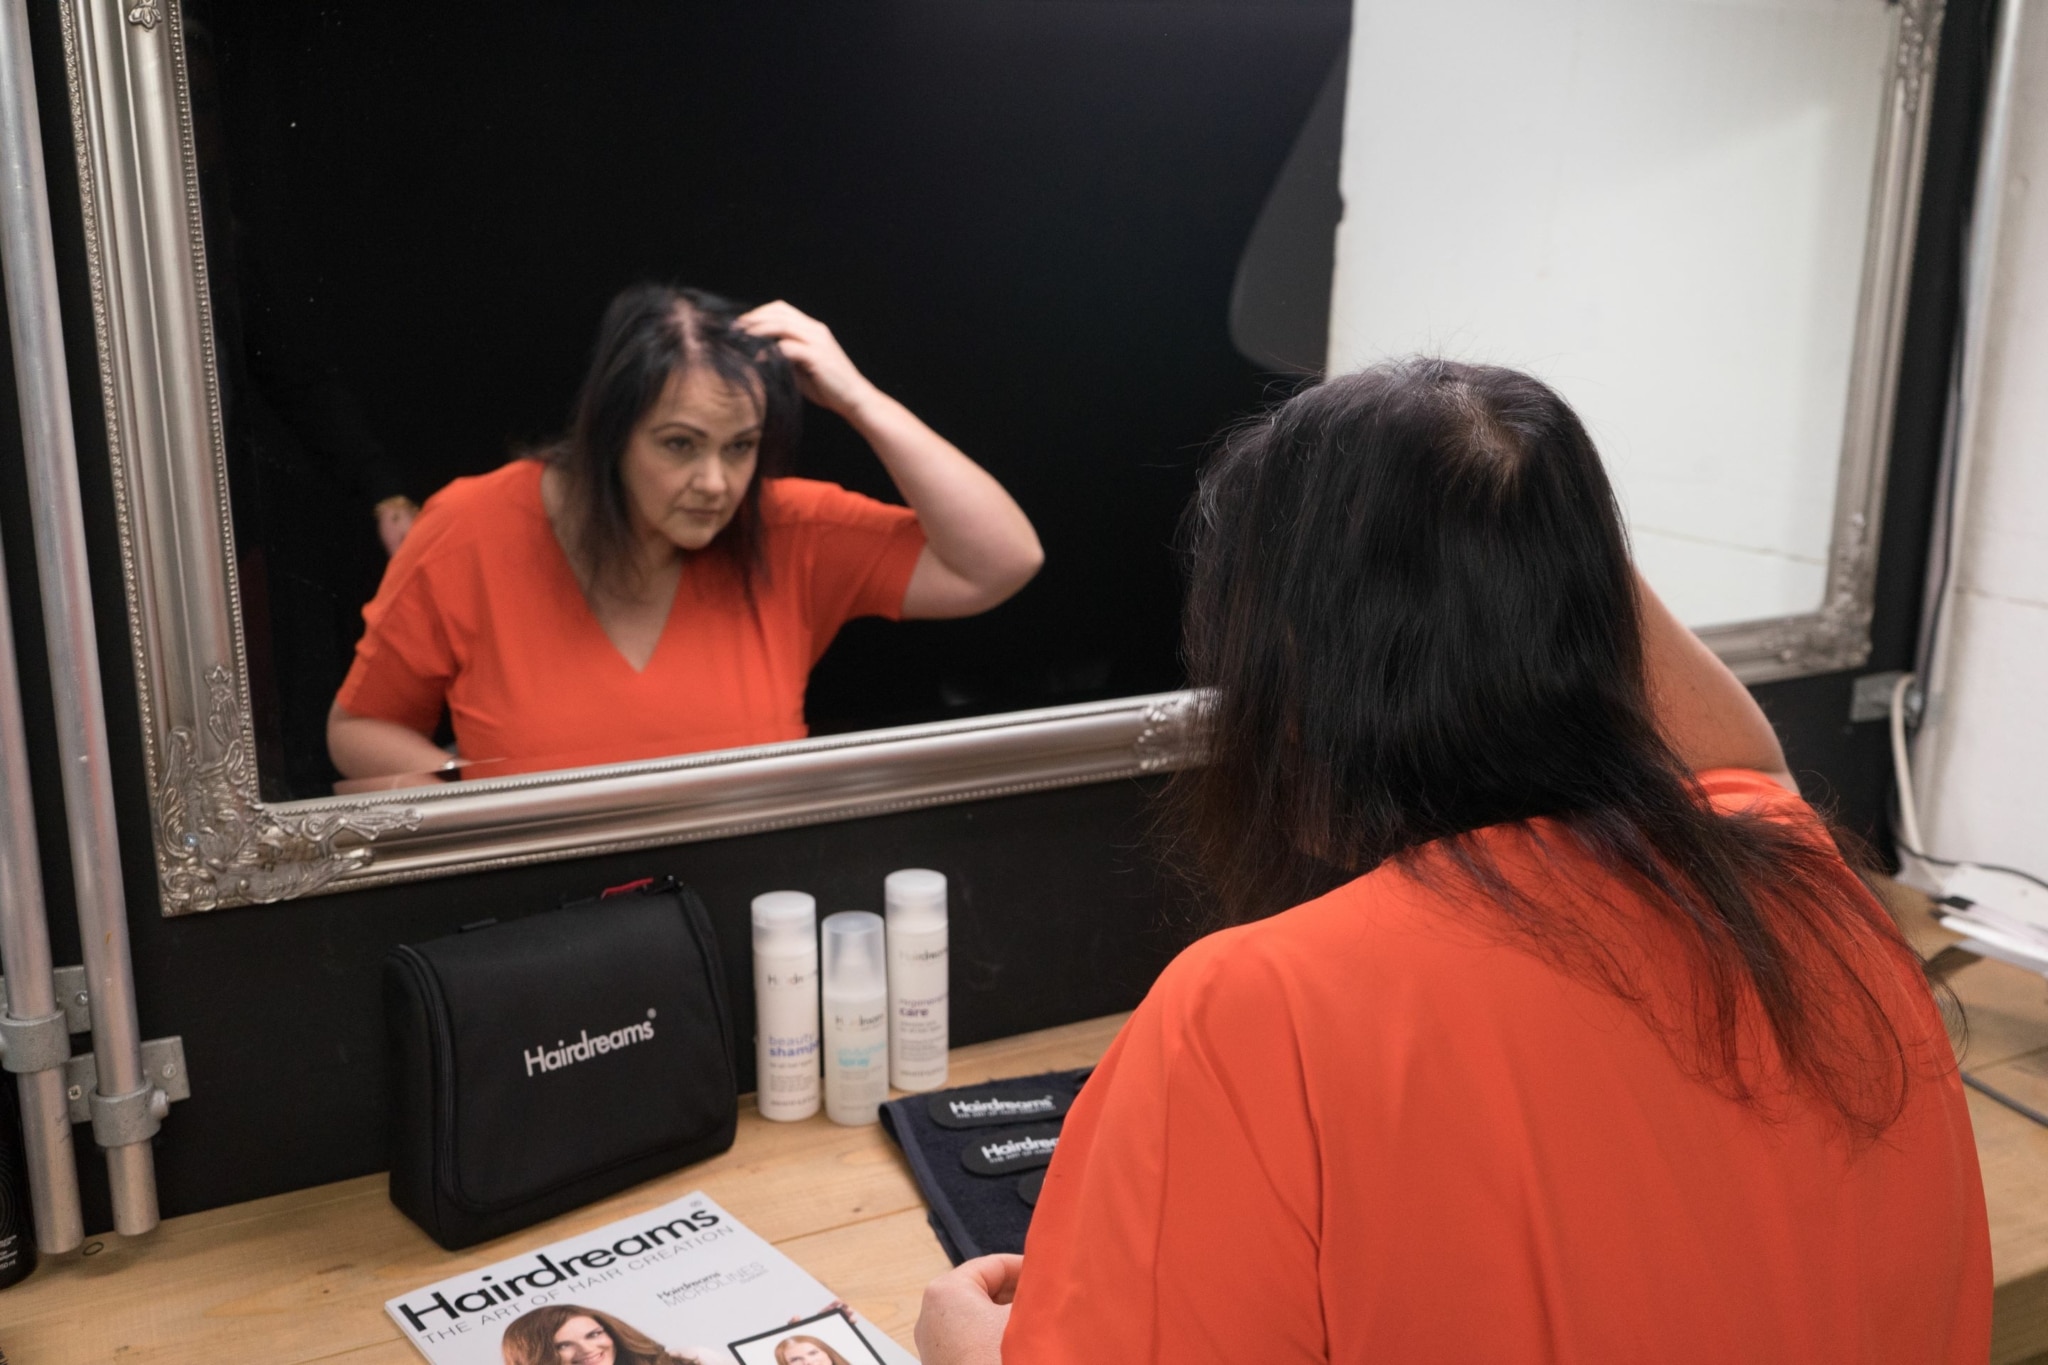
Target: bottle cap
{"x":853,"y":955}
{"x":785,"y":921}
{"x":915,"y":895}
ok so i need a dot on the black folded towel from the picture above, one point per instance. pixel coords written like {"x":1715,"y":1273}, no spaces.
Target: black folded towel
{"x":1002,"y":1128}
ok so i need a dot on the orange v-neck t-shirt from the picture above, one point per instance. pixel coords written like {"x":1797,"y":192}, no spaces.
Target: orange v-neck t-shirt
{"x":479,"y":610}
{"x":1370,"y":1130}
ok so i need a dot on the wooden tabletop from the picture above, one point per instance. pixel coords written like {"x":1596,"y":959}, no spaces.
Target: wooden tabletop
{"x":304,"y":1276}
{"x":2007,"y":1048}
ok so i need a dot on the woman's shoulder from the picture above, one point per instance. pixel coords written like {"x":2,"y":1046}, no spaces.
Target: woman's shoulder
{"x":481,"y":508}
{"x":514,"y":484}
{"x":1347,"y":941}
{"x":476,"y":528}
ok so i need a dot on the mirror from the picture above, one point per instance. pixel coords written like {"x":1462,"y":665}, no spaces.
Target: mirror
{"x":1692,"y":217}
{"x":341,"y":253}
{"x":413,"y":225}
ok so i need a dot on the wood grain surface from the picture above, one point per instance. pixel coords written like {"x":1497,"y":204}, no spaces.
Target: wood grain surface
{"x":303,"y":1277}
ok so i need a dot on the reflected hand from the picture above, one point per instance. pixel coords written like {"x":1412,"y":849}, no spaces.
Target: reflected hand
{"x":823,"y":371}
{"x":394,"y":520}
{"x":965,"y":1311}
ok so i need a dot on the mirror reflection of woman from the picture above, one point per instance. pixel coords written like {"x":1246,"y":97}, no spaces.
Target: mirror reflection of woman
{"x":566,"y":1334}
{"x":653,"y":584}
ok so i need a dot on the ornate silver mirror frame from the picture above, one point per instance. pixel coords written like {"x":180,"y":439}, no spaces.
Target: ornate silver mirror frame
{"x":218,"y":844}
{"x":1838,"y":635}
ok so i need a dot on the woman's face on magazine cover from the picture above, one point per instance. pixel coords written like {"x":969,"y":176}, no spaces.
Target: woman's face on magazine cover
{"x":583,"y":1341}
{"x":804,"y":1353}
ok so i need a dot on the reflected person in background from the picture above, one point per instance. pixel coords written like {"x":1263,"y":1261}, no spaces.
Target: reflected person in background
{"x":652,"y":584}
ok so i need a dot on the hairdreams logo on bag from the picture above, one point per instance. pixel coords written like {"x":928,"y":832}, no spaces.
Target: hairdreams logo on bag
{"x":563,"y":1053}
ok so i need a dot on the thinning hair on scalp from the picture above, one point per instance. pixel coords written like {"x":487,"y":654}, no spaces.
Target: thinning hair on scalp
{"x":1412,"y":603}
{"x":530,"y":1340}
{"x":650,"y":334}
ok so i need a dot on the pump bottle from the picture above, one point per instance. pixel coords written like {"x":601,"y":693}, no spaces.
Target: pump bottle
{"x":856,"y":1018}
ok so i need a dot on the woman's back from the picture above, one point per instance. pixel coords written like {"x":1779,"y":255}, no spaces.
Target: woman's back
{"x":1602,"y":1054}
{"x":1377,"y":1128}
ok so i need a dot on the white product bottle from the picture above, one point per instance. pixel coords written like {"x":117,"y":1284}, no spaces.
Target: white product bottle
{"x":786,"y":1005}
{"x":914,"y":901}
{"x":856,"y":1018}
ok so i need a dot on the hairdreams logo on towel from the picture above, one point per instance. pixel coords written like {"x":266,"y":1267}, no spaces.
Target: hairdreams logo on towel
{"x":1017,"y":1149}
{"x":1035,"y":1107}
{"x":564,"y":1053}
{"x":1014,"y":1149}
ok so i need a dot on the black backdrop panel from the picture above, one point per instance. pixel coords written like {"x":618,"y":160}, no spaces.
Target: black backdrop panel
{"x":1022,"y":218}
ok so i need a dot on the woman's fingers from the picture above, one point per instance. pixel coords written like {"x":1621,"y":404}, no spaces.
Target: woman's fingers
{"x":780,"y":321}
{"x":965,"y":1311}
{"x":997,"y":1274}
{"x":824,"y":372}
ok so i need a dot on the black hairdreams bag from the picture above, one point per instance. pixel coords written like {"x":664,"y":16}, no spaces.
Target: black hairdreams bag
{"x":550,"y":1061}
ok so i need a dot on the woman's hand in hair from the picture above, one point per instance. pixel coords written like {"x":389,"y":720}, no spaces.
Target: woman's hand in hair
{"x":965,"y":1311}
{"x":979,"y":548}
{"x":1704,"y":713}
{"x":823,"y":371}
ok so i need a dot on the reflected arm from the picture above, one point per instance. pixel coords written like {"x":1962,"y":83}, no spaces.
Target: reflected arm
{"x":363,"y":746}
{"x":1707,"y":717}
{"x":980,"y":548}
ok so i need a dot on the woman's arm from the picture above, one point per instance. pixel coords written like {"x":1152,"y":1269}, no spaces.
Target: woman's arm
{"x":363,"y":746}
{"x":979,"y":545}
{"x":1708,"y":718}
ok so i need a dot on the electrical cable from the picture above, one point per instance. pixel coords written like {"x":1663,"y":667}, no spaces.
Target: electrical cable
{"x":1988,"y":867}
{"x":1902,"y":767}
{"x":2017,"y":1106}
{"x":1908,"y":841}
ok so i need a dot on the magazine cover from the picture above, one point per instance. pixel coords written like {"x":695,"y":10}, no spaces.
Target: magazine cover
{"x":683,"y":1284}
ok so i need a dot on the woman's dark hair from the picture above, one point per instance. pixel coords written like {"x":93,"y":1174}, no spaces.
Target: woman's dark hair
{"x":530,"y":1340}
{"x":650,"y":333}
{"x":1412,"y":600}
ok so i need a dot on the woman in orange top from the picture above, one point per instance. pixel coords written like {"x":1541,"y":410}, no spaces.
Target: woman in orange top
{"x":1580,"y":1041}
{"x":650,"y":586}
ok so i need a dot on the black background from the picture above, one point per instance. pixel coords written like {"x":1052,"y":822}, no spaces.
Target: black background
{"x":1022,"y":218}
{"x":1060,"y":914}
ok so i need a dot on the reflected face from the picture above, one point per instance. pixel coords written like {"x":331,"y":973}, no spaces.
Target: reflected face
{"x":690,"y":459}
{"x":583,"y":1341}
{"x":803,"y":1353}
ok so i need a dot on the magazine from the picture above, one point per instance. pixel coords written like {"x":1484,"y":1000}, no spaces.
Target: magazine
{"x":686,"y":1282}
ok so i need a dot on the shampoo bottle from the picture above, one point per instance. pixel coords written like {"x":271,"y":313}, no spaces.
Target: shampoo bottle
{"x":856,"y":1018}
{"x":914,"y":901}
{"x":786,"y":1005}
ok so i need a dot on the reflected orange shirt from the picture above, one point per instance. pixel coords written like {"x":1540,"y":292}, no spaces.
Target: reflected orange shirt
{"x":1367,"y":1130}
{"x":480,"y":610}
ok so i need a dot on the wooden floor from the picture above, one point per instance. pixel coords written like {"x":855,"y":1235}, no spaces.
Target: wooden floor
{"x":303,"y":1277}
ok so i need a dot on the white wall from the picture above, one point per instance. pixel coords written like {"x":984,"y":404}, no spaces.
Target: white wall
{"x":1659,"y":206}
{"x":1984,"y":751}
